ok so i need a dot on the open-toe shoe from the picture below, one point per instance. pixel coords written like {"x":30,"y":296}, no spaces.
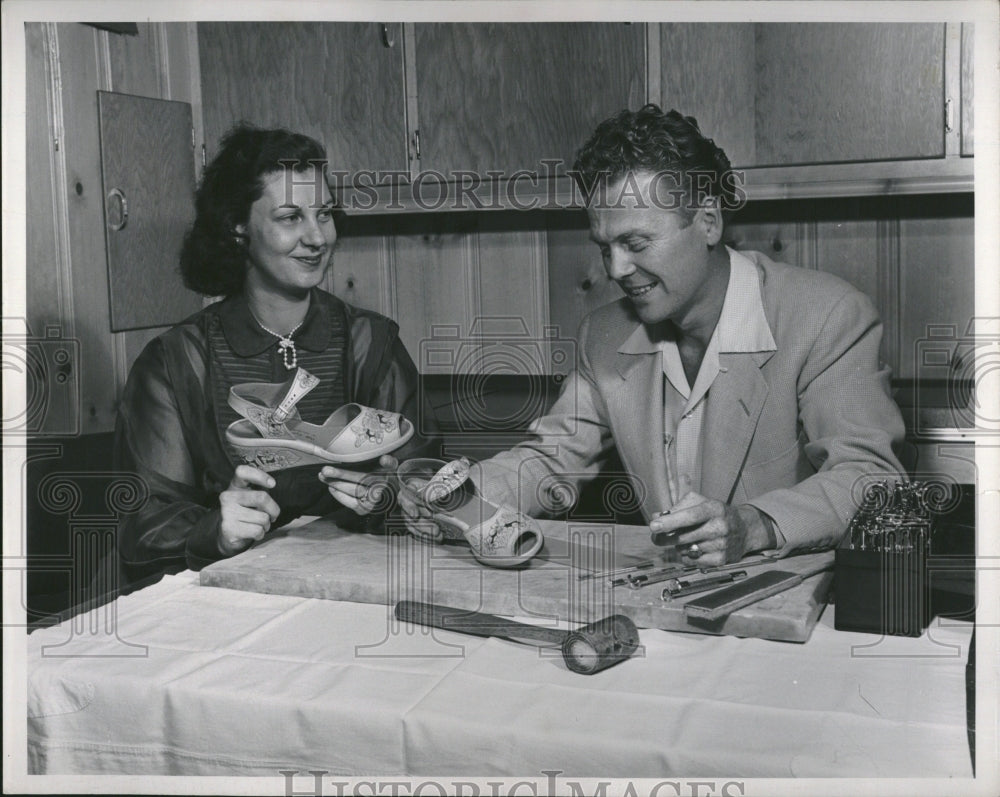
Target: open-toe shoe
{"x":498,"y":534}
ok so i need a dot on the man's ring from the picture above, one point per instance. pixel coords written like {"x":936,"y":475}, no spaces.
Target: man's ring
{"x":693,"y":550}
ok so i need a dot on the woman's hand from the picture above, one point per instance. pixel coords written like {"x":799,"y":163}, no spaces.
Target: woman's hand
{"x":417,"y":517}
{"x":360,"y":491}
{"x":247,"y":509}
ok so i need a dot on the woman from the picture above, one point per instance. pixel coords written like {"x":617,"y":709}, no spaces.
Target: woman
{"x":263,"y":238}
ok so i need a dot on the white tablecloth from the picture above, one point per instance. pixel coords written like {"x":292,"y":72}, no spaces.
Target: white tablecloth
{"x":203,"y":681}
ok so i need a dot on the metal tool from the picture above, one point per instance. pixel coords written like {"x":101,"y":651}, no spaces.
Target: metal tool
{"x":637,"y":580}
{"x":678,"y":588}
{"x":642,"y":579}
{"x":763,"y":560}
{"x":619,"y":570}
{"x":589,"y":649}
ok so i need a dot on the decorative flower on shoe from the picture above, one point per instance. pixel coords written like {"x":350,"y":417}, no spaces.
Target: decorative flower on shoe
{"x":269,"y":459}
{"x":447,"y":480}
{"x":507,"y":525}
{"x":372,"y":426}
{"x":263,"y":419}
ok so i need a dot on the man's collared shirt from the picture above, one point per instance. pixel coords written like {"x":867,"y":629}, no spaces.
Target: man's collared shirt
{"x":742,"y":327}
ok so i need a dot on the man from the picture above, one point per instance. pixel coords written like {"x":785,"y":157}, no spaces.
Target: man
{"x":744,"y":397}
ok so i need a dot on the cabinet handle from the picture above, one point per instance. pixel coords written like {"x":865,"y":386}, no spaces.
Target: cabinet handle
{"x":388,"y":36}
{"x":116,"y":222}
{"x":949,"y":116}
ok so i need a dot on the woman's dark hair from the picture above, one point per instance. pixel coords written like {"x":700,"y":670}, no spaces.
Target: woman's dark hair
{"x":649,"y":140}
{"x":213,"y":255}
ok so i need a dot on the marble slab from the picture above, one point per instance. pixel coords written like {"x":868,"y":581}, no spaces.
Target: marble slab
{"x":320,"y":560}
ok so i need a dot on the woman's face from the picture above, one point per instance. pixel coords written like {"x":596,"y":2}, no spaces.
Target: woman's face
{"x":290,"y":233}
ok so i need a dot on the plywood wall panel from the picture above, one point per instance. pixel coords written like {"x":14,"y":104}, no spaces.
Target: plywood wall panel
{"x":435,"y":279}
{"x":336,"y":81}
{"x":843,"y":92}
{"x":578,"y":283}
{"x":513,"y":293}
{"x":968,"y":88}
{"x":708,"y":71}
{"x":361,"y":274}
{"x":477,"y":116}
{"x":43,"y":287}
{"x":849,"y":249}
{"x":783,"y":242}
{"x":936,"y":281}
{"x":78,"y":55}
{"x":158,"y":64}
{"x":135,"y":61}
{"x":143,"y":256}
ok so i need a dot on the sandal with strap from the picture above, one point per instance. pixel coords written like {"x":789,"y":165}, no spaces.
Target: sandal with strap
{"x":272,"y":435}
{"x":498,"y":534}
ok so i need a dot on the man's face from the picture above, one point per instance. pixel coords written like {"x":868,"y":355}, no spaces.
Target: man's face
{"x":658,"y":256}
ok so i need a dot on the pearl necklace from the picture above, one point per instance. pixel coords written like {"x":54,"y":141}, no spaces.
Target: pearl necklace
{"x":285,"y":343}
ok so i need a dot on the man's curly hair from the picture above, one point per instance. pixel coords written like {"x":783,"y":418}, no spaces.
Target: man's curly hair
{"x":649,"y":140}
{"x":213,"y":257}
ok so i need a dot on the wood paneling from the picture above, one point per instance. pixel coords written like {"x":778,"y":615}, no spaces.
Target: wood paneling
{"x":52,"y":406}
{"x":512,"y":269}
{"x":146,"y":288}
{"x":844,"y":92}
{"x":362,"y":274}
{"x":135,"y":61}
{"x":578,"y":283}
{"x":855,"y":251}
{"x":968,"y":84}
{"x":937,"y":281}
{"x":436,"y":288}
{"x":42,"y":277}
{"x":782,"y":241}
{"x":958,"y":460}
{"x":506,"y":96}
{"x":67,"y":266}
{"x":334,"y":81}
{"x":513,"y":297}
{"x":79,"y":80}
{"x":849,"y":249}
{"x":461,"y":275}
{"x":161,"y":62}
{"x":708,"y":71}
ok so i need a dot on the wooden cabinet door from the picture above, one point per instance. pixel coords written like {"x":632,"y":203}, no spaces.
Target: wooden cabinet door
{"x":505,"y":96}
{"x":967,"y":87}
{"x":708,"y":72}
{"x":782,"y":94}
{"x":828,"y":93}
{"x":341,"y":83}
{"x":147,"y":167}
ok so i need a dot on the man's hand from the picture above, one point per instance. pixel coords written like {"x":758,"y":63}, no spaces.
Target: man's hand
{"x":247,"y":512}
{"x":362,"y":492}
{"x":710,"y":532}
